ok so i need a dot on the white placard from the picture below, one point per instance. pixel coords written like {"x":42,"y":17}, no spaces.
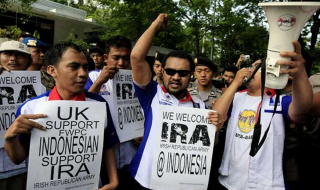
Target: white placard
{"x":15,"y":88}
{"x":183,"y":149}
{"x":68,"y":154}
{"x":126,"y":111}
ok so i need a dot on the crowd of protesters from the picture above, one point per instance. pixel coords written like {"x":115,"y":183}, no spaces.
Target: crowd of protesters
{"x":288,"y":157}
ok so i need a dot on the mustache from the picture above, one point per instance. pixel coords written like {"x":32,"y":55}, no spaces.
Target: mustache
{"x":14,"y":63}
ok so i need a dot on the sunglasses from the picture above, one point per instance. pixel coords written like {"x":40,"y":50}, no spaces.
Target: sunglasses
{"x":181,"y":73}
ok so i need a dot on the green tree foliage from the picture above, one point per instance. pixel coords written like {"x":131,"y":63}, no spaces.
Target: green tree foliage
{"x":231,"y":27}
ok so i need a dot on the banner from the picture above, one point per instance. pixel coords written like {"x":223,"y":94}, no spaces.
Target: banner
{"x":15,"y":88}
{"x":68,"y":154}
{"x":183,"y":149}
{"x":126,"y":111}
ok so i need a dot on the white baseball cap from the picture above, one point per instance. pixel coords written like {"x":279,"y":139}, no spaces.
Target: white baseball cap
{"x":14,"y":46}
{"x":315,"y":82}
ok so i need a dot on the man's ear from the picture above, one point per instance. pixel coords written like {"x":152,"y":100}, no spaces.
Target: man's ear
{"x":105,"y":57}
{"x":52,"y":70}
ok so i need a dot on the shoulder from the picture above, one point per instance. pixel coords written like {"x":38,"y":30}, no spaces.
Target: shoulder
{"x":93,"y":97}
{"x":193,"y":90}
{"x":215,"y":90}
{"x":198,"y":101}
{"x":29,"y":106}
{"x":94,"y":74}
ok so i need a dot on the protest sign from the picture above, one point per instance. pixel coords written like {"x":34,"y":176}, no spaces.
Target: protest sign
{"x":68,"y":154}
{"x":15,"y":88}
{"x":183,"y":149}
{"x":126,"y":111}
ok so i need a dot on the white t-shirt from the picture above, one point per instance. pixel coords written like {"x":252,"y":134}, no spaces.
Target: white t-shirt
{"x":239,"y":157}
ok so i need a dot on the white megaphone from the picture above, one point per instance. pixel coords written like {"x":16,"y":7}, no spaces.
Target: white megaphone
{"x":286,"y":20}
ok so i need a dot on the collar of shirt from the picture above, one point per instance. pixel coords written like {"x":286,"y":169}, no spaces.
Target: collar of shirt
{"x":185,"y":99}
{"x":54,"y":95}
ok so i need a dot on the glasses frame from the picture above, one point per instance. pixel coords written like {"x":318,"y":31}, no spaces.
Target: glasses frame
{"x":172,"y":72}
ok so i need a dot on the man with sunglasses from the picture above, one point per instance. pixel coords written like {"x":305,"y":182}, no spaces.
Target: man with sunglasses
{"x":205,"y":90}
{"x":242,"y":166}
{"x":177,"y":70}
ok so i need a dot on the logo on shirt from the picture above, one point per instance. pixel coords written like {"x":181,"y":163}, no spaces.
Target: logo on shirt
{"x":165,"y":103}
{"x":104,"y":91}
{"x":103,"y":87}
{"x":247,"y":120}
{"x":168,"y":97}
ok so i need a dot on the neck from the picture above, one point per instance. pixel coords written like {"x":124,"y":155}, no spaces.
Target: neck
{"x":34,"y":68}
{"x":180,"y":96}
{"x":256,"y":92}
{"x":204,"y":88}
{"x":65,"y":95}
{"x":159,"y":80}
{"x":99,"y":67}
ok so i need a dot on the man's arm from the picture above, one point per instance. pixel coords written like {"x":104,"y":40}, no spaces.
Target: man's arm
{"x":240,"y":60}
{"x":301,"y":90}
{"x":140,"y":68}
{"x":22,"y":125}
{"x":107,"y":73}
{"x":110,"y":163}
{"x":222,"y":104}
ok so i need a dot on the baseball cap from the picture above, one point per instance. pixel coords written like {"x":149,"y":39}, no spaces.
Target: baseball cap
{"x":201,"y":61}
{"x":315,"y":82}
{"x":34,"y":42}
{"x":96,"y":50}
{"x":14,"y":46}
{"x":24,"y":34}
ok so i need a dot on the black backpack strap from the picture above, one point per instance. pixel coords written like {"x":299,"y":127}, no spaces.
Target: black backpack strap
{"x":255,"y":145}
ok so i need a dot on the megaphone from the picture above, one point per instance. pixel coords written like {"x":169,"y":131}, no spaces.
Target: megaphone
{"x":286,"y":20}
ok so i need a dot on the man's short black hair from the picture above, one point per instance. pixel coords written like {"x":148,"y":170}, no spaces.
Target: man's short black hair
{"x":231,"y":68}
{"x":55,"y":53}
{"x":96,"y":50}
{"x":181,"y":55}
{"x":118,"y":42}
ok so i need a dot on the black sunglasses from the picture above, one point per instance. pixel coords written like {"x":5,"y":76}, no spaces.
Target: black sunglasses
{"x":181,"y":73}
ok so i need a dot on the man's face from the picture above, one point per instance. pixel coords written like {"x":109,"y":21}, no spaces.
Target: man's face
{"x":120,"y":57}
{"x":157,"y":67}
{"x":14,"y":60}
{"x":97,"y":59}
{"x":228,"y":76}
{"x":37,"y":56}
{"x":255,"y":83}
{"x":176,"y":84}
{"x":71,"y":73}
{"x":204,"y":75}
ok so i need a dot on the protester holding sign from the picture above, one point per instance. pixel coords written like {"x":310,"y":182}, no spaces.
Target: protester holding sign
{"x":14,"y":56}
{"x":69,"y":67}
{"x":177,"y":71}
{"x":251,"y":162}
{"x":101,"y":81}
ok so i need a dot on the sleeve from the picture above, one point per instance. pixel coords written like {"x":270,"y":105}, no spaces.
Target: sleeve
{"x":146,"y":94}
{"x":23,"y":138}
{"x":285,"y":103}
{"x":89,"y":84}
{"x":110,"y":135}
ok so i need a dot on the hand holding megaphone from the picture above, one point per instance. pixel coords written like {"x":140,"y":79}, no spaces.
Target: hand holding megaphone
{"x":296,"y":64}
{"x":241,"y":76}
